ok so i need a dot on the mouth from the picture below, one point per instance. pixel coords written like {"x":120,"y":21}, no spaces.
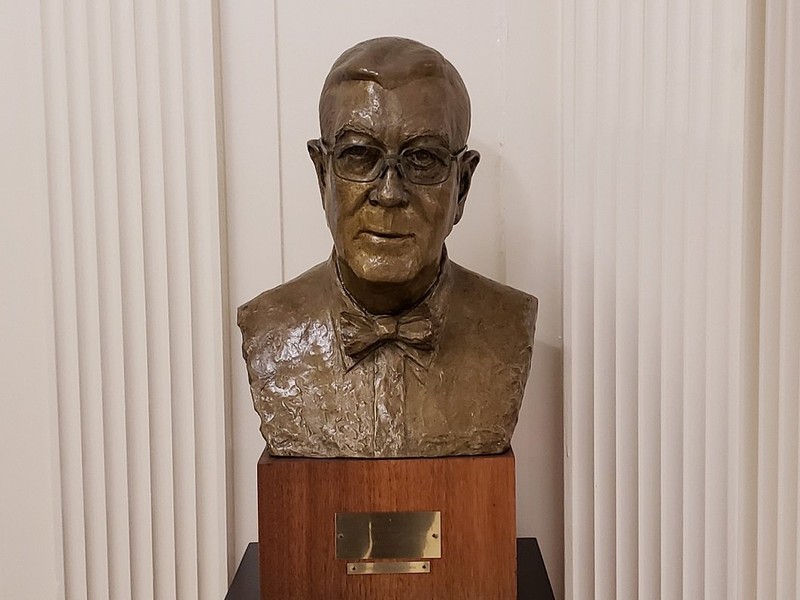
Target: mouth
{"x":378,"y":235}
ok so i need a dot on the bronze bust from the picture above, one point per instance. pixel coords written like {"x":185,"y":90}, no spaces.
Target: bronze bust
{"x":388,"y":348}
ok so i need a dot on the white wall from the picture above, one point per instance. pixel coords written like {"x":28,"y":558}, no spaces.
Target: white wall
{"x":274,"y":59}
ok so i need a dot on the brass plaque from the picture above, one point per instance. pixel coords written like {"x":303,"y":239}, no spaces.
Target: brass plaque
{"x":373,"y":568}
{"x":395,"y":535}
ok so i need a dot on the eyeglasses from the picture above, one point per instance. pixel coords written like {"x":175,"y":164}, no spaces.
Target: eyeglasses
{"x":362,"y":163}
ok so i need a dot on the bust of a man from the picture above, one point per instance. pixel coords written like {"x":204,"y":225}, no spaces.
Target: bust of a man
{"x":389,"y":348}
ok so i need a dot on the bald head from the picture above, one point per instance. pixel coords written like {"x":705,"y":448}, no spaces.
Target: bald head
{"x":391,"y":63}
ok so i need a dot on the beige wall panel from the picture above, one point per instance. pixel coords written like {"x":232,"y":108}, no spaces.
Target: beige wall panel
{"x":253,"y":226}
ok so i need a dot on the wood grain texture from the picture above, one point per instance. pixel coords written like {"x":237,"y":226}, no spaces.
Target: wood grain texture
{"x":298,"y":499}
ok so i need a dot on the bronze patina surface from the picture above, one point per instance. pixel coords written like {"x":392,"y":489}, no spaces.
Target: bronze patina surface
{"x":388,"y":348}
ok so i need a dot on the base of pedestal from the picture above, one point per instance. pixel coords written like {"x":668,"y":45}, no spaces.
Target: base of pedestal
{"x":533,"y":583}
{"x":300,"y":497}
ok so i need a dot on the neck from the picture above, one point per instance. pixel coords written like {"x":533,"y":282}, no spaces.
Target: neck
{"x":386,"y":298}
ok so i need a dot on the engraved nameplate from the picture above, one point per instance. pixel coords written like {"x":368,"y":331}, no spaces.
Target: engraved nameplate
{"x":395,"y":535}
{"x":374,"y":568}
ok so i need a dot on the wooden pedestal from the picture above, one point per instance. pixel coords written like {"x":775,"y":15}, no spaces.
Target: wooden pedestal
{"x":298,"y":499}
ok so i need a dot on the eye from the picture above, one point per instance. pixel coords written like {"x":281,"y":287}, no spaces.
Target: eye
{"x":356,"y":162}
{"x":423,"y":158}
{"x":358,"y":154}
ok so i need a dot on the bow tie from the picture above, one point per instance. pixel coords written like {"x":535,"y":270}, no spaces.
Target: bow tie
{"x":362,"y":334}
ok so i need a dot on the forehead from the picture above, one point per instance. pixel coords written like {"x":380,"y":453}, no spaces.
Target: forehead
{"x":420,"y":107}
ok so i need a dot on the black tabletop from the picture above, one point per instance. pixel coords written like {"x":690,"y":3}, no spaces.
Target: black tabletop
{"x":532,"y":580}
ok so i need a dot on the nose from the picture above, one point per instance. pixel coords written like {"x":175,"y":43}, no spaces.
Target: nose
{"x":389,"y":189}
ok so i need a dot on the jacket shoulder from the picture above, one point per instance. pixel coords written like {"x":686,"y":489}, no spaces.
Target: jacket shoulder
{"x":486,"y":299}
{"x":288,"y":303}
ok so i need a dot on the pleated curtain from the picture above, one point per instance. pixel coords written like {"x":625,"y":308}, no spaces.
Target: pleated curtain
{"x":682,"y":309}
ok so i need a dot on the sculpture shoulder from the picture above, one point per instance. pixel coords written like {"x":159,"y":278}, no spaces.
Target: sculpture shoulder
{"x":492,"y":303}
{"x":293,"y":302}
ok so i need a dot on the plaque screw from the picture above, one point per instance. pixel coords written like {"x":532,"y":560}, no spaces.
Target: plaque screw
{"x":435,"y":536}
{"x":340,"y":536}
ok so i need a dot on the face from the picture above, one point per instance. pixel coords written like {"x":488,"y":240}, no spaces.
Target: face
{"x":391,"y":230}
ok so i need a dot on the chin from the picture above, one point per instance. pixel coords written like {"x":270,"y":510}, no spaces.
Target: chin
{"x":385,"y":269}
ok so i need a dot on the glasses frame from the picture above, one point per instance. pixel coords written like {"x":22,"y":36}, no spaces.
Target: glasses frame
{"x":396,"y":158}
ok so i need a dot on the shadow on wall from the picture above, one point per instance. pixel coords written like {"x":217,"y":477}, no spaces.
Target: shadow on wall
{"x":540,"y":461}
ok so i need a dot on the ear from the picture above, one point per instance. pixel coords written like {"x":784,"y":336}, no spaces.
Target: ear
{"x":317,"y":154}
{"x":466,"y":167}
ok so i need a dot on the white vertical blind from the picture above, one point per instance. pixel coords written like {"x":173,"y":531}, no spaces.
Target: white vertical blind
{"x":131,"y":138}
{"x":31,"y":557}
{"x":779,"y":339}
{"x":682,"y":321}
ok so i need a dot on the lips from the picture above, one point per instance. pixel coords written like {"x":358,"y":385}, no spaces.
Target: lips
{"x":385,"y":235}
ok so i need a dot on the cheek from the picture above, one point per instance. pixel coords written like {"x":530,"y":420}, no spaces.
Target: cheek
{"x":341,"y":204}
{"x":438,"y":210}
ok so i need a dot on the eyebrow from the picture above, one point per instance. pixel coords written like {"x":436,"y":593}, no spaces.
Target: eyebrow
{"x":350,"y":129}
{"x":427,"y":136}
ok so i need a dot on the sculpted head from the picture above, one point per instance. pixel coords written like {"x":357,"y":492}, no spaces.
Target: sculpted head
{"x":392,"y":163}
